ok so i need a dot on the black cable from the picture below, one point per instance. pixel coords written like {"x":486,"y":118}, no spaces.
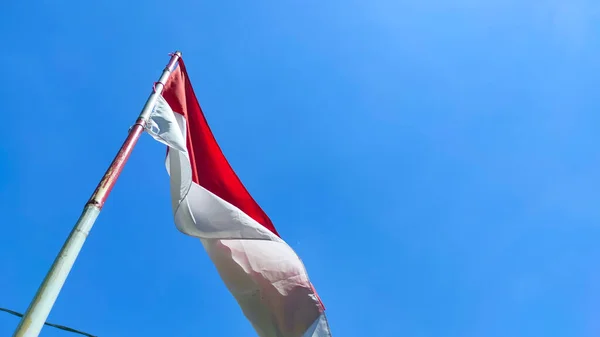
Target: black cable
{"x":61,"y":327}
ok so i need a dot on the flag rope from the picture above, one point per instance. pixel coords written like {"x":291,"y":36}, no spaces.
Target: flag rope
{"x":57,"y":326}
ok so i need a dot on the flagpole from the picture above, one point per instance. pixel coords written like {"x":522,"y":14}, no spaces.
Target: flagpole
{"x":33,"y":320}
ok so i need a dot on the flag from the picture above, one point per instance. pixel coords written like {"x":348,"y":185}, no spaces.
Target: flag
{"x":262,"y":272}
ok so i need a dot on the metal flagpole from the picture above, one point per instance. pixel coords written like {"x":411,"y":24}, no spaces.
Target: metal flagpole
{"x":33,"y":320}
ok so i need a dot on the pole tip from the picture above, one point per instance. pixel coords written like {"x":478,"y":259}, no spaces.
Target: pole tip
{"x":178,"y":53}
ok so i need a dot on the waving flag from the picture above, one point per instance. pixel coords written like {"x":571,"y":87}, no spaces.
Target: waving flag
{"x":209,"y":201}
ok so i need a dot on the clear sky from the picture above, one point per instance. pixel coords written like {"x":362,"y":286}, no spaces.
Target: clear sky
{"x":434,"y":163}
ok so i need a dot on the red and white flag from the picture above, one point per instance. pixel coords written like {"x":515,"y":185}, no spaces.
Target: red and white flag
{"x":209,"y":201}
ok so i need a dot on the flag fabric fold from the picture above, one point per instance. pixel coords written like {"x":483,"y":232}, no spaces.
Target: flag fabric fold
{"x":263,"y":273}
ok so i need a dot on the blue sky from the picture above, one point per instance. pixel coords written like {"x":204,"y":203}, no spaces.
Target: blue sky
{"x":434,"y":163}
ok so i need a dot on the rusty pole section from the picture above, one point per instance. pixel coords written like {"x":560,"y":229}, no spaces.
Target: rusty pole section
{"x":33,"y":320}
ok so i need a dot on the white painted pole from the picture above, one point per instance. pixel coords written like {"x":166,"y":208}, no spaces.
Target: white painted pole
{"x":33,"y":320}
